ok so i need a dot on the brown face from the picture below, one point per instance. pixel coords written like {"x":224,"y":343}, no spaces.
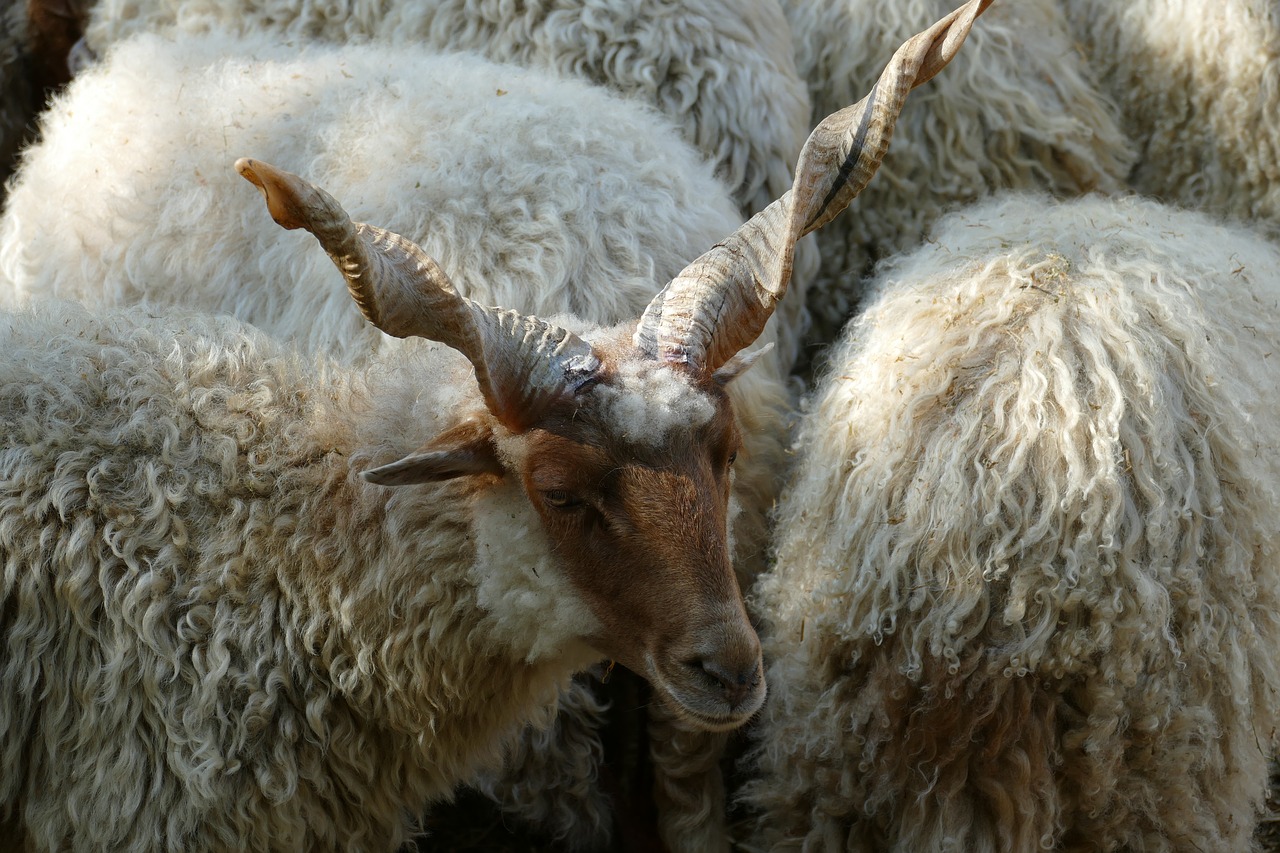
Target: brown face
{"x":640,"y":527}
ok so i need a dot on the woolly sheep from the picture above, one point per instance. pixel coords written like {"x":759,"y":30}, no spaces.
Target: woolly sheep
{"x":270,"y":653}
{"x":548,"y":391}
{"x":543,"y":194}
{"x":515,"y":221}
{"x":221,"y":639}
{"x":1021,"y":111}
{"x":1026,"y":584}
{"x":1199,"y":90}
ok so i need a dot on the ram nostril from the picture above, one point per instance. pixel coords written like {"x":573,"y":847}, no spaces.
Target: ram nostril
{"x":737,"y":686}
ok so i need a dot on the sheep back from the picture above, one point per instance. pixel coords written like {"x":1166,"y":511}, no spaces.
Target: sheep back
{"x":723,"y":71}
{"x":1026,"y":584}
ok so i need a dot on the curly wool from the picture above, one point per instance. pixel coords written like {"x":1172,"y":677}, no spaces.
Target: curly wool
{"x":1016,"y":110}
{"x":1199,"y":92}
{"x":1026,"y":584}
{"x":218,"y":636}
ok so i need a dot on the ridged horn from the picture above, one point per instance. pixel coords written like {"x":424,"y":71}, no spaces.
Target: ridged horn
{"x":521,"y":363}
{"x":720,"y":303}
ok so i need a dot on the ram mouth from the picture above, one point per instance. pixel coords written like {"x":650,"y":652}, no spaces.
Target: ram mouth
{"x":700,"y":706}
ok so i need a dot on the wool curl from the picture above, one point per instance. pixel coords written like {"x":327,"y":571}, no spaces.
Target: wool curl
{"x":1199,"y":92}
{"x":393,"y":133}
{"x":218,"y":636}
{"x":1017,"y":109}
{"x":1025,"y":594}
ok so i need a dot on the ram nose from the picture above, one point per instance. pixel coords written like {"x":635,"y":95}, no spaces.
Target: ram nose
{"x":728,"y":669}
{"x":738,"y":685}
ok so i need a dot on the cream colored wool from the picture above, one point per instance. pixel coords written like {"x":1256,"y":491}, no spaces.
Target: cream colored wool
{"x":537,"y":193}
{"x":1026,"y":584}
{"x":1018,"y":109}
{"x":1199,"y":91}
{"x":218,"y":636}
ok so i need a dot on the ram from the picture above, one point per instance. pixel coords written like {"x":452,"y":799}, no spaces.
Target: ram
{"x":547,"y":195}
{"x":1199,"y":92}
{"x":1022,"y":111}
{"x":1027,"y":572}
{"x":222,"y":637}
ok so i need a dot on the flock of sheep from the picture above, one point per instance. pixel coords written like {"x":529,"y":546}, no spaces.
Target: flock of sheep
{"x":969,"y":545}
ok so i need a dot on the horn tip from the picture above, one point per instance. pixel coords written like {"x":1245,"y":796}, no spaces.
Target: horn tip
{"x":279,"y":189}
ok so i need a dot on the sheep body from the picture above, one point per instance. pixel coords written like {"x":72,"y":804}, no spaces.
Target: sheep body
{"x":1018,"y":110}
{"x":538,"y":193}
{"x":1199,"y":92}
{"x":219,"y":636}
{"x":1025,"y":594}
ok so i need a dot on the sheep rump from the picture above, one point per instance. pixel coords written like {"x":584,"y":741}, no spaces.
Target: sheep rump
{"x":1025,"y":594}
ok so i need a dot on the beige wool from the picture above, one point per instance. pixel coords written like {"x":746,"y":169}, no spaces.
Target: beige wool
{"x":1025,"y":593}
{"x":1198,"y":85}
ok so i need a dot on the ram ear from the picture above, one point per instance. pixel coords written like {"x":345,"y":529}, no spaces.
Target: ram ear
{"x":739,"y":364}
{"x":461,"y":451}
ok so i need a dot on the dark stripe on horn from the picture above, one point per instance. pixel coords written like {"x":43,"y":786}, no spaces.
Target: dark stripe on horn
{"x":851,"y":160}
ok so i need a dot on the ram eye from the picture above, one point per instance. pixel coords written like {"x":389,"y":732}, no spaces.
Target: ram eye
{"x":560,"y":499}
{"x":733,"y":457}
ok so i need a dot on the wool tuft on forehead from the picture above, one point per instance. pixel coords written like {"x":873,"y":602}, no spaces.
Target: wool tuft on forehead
{"x":646,"y":400}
